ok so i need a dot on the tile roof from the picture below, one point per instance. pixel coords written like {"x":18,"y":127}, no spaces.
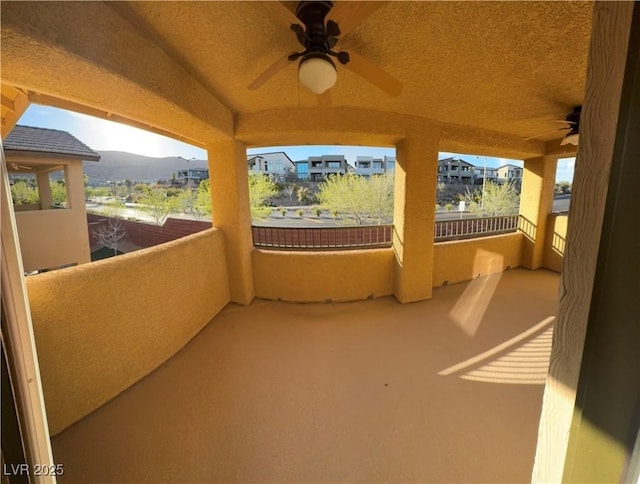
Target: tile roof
{"x":43,"y":140}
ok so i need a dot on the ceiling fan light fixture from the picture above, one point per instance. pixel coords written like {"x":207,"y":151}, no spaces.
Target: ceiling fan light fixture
{"x":317,"y":72}
{"x":570,"y":139}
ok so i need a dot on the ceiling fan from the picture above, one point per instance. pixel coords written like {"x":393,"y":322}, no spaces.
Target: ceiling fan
{"x":318,"y":27}
{"x":16,"y":167}
{"x":573,"y":121}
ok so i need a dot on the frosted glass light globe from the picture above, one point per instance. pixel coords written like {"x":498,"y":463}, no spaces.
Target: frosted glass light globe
{"x":317,"y":72}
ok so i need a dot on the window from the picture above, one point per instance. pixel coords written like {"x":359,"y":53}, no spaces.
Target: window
{"x":333,"y":164}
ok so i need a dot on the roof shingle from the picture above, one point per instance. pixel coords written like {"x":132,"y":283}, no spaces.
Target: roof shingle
{"x":43,"y":140}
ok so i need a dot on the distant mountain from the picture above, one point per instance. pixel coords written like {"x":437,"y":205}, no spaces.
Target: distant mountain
{"x":118,"y":165}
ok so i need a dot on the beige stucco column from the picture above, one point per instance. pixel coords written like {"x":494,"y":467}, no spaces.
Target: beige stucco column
{"x":44,"y":190}
{"x":536,"y":203}
{"x":414,"y":215}
{"x":228,"y":173}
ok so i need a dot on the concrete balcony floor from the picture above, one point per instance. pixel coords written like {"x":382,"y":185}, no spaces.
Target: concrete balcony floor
{"x":446,"y":390}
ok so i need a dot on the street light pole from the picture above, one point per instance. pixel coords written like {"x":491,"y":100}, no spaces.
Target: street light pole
{"x":484,"y":181}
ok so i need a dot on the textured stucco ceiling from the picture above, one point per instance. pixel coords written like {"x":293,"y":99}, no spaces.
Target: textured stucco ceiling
{"x":498,"y":70}
{"x":502,"y":66}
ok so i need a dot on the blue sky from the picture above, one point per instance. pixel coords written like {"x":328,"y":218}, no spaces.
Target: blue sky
{"x":104,"y":135}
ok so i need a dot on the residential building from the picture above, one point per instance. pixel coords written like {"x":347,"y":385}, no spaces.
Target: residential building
{"x":51,"y":235}
{"x":480,"y":174}
{"x":319,"y":167}
{"x":277,"y":164}
{"x":509,"y":173}
{"x":302,"y":169}
{"x":193,"y":175}
{"x":455,"y":170}
{"x":368,"y":165}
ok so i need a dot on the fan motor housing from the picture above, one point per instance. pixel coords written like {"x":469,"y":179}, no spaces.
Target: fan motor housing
{"x":312,"y":15}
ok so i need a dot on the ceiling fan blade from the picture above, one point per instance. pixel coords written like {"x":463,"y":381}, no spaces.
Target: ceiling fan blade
{"x":271,"y":71}
{"x":374,"y":74}
{"x":348,"y":15}
{"x":546,"y":132}
{"x":277,"y":11}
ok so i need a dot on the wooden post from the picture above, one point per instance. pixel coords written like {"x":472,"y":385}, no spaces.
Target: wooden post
{"x":605,"y":73}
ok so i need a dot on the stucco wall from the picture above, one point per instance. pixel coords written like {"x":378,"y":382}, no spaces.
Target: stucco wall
{"x":348,"y":275}
{"x":554,"y":241}
{"x":101,"y":327}
{"x":459,"y":261}
{"x":52,"y":238}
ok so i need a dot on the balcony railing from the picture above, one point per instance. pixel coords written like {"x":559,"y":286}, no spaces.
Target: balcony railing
{"x":296,"y":238}
{"x":374,"y":236}
{"x":474,"y":227}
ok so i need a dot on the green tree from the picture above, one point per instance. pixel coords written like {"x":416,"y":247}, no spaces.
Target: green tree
{"x":23,"y":193}
{"x":141,"y":189}
{"x":563,"y":187}
{"x":100,"y":192}
{"x":498,"y":199}
{"x":158,"y":205}
{"x":289,"y":190}
{"x":58,"y":193}
{"x":302,"y":194}
{"x":261,"y":188}
{"x":358,"y":199}
{"x":203,"y":199}
{"x":196,"y":202}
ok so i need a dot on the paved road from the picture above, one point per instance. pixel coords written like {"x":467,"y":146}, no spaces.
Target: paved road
{"x":560,"y":204}
{"x":292,"y":220}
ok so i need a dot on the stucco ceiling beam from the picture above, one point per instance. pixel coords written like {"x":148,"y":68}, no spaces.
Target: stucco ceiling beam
{"x":14,"y":103}
{"x":339,"y":126}
{"x":46,"y":100}
{"x":7,"y":103}
{"x":352,"y":126}
{"x":86,"y":53}
{"x":464,"y":139}
{"x":555,"y":149}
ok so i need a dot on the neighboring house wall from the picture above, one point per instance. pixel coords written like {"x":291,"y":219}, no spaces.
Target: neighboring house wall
{"x":368,"y":165}
{"x":51,"y":238}
{"x":454,"y":170}
{"x":509,"y":173}
{"x":302,"y":169}
{"x":276,"y":164}
{"x":479,"y":174}
{"x":322,"y":166}
{"x":195,"y":175}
